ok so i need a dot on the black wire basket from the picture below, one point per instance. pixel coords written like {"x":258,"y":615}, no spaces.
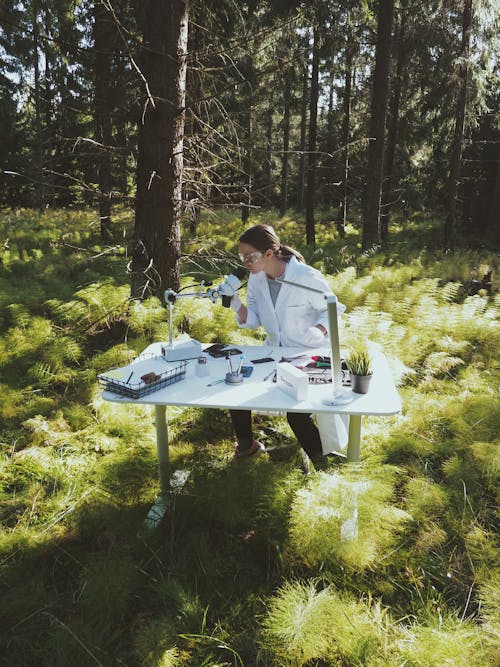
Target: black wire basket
{"x":144,"y":387}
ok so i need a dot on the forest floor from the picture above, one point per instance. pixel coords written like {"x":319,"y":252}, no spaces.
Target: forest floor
{"x":248,"y":567}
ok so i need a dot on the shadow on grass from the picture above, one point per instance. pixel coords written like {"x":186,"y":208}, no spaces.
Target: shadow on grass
{"x":86,"y":593}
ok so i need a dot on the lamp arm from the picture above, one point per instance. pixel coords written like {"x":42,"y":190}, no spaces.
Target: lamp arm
{"x":333,"y":331}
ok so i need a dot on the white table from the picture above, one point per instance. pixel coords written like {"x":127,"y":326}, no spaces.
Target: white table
{"x":255,"y":393}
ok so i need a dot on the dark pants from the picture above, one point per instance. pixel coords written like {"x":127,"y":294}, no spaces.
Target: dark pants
{"x":301,"y":424}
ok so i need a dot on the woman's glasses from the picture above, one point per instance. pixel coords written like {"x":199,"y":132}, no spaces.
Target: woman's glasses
{"x":251,"y":257}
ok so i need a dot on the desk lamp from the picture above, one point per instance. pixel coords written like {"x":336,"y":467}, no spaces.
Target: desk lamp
{"x":340,"y":397}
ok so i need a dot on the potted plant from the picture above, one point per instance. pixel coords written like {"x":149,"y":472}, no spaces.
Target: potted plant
{"x":359,"y":363}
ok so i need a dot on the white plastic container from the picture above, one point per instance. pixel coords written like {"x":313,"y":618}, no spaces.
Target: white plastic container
{"x":292,"y":380}
{"x":201,"y":368}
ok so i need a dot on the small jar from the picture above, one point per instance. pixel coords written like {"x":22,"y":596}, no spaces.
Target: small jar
{"x":201,"y":368}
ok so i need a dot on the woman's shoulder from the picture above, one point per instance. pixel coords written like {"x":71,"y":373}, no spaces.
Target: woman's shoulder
{"x":299,"y":268}
{"x":256,"y":279}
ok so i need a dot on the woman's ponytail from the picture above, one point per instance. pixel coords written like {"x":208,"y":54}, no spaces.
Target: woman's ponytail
{"x":286,"y":251}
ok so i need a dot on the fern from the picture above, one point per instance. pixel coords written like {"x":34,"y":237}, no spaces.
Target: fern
{"x":343,"y":519}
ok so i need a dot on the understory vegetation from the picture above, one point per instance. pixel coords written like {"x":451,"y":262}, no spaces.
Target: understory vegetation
{"x":392,"y":562}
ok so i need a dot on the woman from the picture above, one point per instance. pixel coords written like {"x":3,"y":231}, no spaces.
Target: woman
{"x":291,"y":316}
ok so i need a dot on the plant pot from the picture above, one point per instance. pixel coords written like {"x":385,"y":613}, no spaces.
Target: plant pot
{"x":360,"y":383}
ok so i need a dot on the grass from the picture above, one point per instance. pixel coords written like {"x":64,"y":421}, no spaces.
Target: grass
{"x":392,"y":563}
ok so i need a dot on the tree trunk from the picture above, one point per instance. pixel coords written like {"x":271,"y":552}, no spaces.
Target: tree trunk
{"x":450,"y":230}
{"x":40,"y":198}
{"x":313,"y":118}
{"x":286,"y":147}
{"x":346,"y":124}
{"x":269,"y":151}
{"x":493,"y":223}
{"x":302,"y":147}
{"x":392,"y":138}
{"x":50,"y":128}
{"x":371,"y":222}
{"x":155,"y":259}
{"x":103,"y":45}
{"x":331,"y":144}
{"x":248,"y":165}
{"x":194,"y":88}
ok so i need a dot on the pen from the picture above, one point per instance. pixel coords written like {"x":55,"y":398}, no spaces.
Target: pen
{"x":216,"y":382}
{"x":239,"y":365}
{"x":269,"y":374}
{"x":129,"y":377}
{"x":229,"y":364}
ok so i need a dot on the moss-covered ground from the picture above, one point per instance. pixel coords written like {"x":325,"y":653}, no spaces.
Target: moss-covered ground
{"x":252,"y":564}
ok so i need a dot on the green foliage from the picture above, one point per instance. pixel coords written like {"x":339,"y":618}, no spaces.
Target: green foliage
{"x":304,"y":624}
{"x":144,"y":316}
{"x":155,"y":644}
{"x":232,"y":575}
{"x":489,"y":595}
{"x":425,"y":499}
{"x":359,"y":360}
{"x":448,"y":641}
{"x":344,"y":519}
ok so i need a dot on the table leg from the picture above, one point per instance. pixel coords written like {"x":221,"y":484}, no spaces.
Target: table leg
{"x":354,"y":442}
{"x":162,"y":446}
{"x":157,"y":511}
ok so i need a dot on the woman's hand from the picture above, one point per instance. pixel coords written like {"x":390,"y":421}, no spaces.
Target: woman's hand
{"x":313,"y":336}
{"x":238,"y":308}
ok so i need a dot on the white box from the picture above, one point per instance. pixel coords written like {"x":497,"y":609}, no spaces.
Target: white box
{"x":181,"y":349}
{"x":292,"y":380}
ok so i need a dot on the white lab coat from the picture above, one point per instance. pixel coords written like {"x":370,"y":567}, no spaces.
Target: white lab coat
{"x":296,"y":309}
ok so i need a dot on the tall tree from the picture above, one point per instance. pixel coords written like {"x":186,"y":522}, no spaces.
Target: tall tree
{"x":104,"y":33}
{"x":269,"y":147}
{"x":346,"y":122}
{"x":313,"y":129}
{"x":155,"y":259}
{"x":393,"y":130}
{"x":303,"y":133}
{"x":380,"y":89}
{"x":450,"y":231}
{"x":286,"y":146}
{"x":248,"y":102}
{"x":38,"y":108}
{"x":248,"y":150}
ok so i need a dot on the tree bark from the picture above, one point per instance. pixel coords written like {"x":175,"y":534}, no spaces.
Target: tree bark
{"x":248,"y":165}
{"x":331,"y":144}
{"x":450,"y":230}
{"x":194,"y":95}
{"x":38,"y":113}
{"x":493,"y":223}
{"x":49,"y":132}
{"x":313,"y":126}
{"x":103,"y":45}
{"x":302,"y":146}
{"x":371,"y":221}
{"x":155,"y":259}
{"x":392,"y":138}
{"x":286,"y":147}
{"x":346,"y":124}
{"x":269,"y":150}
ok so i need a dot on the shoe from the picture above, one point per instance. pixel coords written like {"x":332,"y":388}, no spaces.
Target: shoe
{"x":255,"y":450}
{"x":328,"y":461}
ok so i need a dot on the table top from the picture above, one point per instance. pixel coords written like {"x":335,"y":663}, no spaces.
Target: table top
{"x":256,"y":393}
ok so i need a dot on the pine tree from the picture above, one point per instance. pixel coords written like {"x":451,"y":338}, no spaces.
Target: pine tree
{"x":155,"y":260}
{"x":380,"y":88}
